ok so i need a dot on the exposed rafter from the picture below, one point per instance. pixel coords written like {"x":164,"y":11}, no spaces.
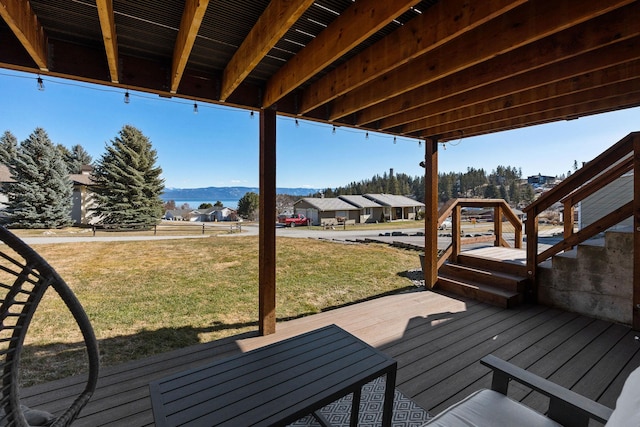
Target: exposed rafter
{"x":276,"y":20}
{"x":108,"y":26}
{"x":528,"y":102}
{"x":523,"y":25}
{"x":571,"y":112}
{"x":435,"y":27}
{"x":357,"y":23}
{"x":25,"y":25}
{"x":189,"y":25}
{"x":572,"y":70}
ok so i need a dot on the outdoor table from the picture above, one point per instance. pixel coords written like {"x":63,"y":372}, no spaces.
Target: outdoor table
{"x":275,"y":385}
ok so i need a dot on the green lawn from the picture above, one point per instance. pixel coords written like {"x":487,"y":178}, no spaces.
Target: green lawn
{"x":149,"y":297}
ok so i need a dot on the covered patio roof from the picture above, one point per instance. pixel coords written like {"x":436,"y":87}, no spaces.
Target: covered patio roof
{"x":430,"y":70}
{"x":423,"y":69}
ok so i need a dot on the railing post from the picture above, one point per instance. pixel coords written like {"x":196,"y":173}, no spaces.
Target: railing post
{"x":497,"y":224}
{"x":456,"y":241}
{"x":531,"y":230}
{"x":568,"y":218}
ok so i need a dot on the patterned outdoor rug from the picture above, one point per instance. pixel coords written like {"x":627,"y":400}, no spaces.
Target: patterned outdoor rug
{"x":405,"y":412}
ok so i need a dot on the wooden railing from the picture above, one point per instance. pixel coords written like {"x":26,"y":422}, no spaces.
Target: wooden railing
{"x":453,"y":209}
{"x":618,"y":160}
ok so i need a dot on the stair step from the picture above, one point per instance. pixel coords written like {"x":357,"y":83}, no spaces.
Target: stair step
{"x":498,"y":265}
{"x":506,"y":281}
{"x":480,"y":292}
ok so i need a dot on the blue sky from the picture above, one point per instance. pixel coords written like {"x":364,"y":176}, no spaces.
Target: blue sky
{"x":218,"y":147}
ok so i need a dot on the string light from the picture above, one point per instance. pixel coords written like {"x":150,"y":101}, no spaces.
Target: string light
{"x":419,"y":143}
{"x":444,"y":146}
{"x":366,"y":136}
{"x":195,"y":108}
{"x":126,"y":97}
{"x":394,"y":139}
{"x":334,"y":130}
{"x":252,"y":114}
{"x":40,"y":84}
{"x":297,"y":123}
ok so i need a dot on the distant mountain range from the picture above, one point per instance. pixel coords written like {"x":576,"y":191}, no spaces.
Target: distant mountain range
{"x":226,"y":193}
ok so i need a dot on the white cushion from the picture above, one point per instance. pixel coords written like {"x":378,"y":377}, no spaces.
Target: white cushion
{"x":627,"y":411}
{"x":488,"y":408}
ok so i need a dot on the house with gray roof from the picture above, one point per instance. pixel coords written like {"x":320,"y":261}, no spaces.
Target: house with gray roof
{"x":370,"y":211}
{"x":326,"y":210}
{"x":397,"y":207}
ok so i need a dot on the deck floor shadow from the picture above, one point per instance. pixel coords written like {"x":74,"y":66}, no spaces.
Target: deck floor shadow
{"x":437,"y":339}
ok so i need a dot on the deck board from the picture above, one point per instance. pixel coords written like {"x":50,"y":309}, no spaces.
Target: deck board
{"x":436,"y":338}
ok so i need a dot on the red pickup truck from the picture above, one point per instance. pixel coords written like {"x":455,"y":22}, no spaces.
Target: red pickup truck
{"x":294,"y":220}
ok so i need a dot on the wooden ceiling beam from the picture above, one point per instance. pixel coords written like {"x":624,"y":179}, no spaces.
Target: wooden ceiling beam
{"x":524,"y":25}
{"x":189,"y":26}
{"x":617,"y":102}
{"x":603,"y":31}
{"x":361,"y":20}
{"x":571,"y":71}
{"x":538,"y":100}
{"x":272,"y":25}
{"x":25,"y":25}
{"x":108,"y":27}
{"x":434,"y":27}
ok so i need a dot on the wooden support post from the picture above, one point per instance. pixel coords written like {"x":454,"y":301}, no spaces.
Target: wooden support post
{"x":267,"y":245}
{"x":531,"y":230}
{"x":636,"y":232}
{"x":497,"y":225}
{"x":431,"y":213}
{"x":456,"y":240}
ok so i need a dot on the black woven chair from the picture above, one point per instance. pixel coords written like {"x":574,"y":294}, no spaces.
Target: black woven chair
{"x":24,"y":278}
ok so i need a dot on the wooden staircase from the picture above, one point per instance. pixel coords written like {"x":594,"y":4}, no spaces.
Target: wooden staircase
{"x":493,"y":275}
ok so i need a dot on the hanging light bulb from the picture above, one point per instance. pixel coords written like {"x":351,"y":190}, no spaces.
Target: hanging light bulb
{"x":366,"y":136}
{"x":126,"y":97}
{"x":334,"y":130}
{"x":394,"y":139}
{"x":252,"y":115}
{"x":419,"y":143}
{"x":297,"y":123}
{"x":195,"y":108}
{"x":444,"y":146}
{"x":40,"y":84}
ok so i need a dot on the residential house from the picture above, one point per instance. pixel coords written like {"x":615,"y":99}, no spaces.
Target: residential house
{"x":5,"y":177}
{"x":370,"y":211}
{"x":397,"y":207}
{"x":326,"y":210}
{"x":607,"y":200}
{"x":82,"y":198}
{"x":201,"y":215}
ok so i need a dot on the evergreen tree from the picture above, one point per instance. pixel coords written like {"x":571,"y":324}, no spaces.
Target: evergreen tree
{"x":128,"y":183}
{"x":8,"y":148}
{"x":248,"y":205}
{"x":76,"y":158}
{"x":40,"y":197}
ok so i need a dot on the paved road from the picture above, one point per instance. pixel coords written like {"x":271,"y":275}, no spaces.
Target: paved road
{"x":298,"y":232}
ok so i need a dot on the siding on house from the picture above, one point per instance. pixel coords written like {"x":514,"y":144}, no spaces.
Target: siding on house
{"x":370,"y":211}
{"x":605,"y":201}
{"x":323,"y":210}
{"x":397,"y":207}
{"x":82,"y":198}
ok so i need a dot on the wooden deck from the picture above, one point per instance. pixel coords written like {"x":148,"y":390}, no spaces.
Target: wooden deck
{"x":436,"y":339}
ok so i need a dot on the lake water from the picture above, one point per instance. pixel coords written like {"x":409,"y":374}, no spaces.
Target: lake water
{"x":193,"y":204}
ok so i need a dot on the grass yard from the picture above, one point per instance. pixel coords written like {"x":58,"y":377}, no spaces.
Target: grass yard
{"x":149,"y":297}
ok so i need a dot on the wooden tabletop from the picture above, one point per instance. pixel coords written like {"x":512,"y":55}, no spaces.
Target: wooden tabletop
{"x":273,"y":385}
